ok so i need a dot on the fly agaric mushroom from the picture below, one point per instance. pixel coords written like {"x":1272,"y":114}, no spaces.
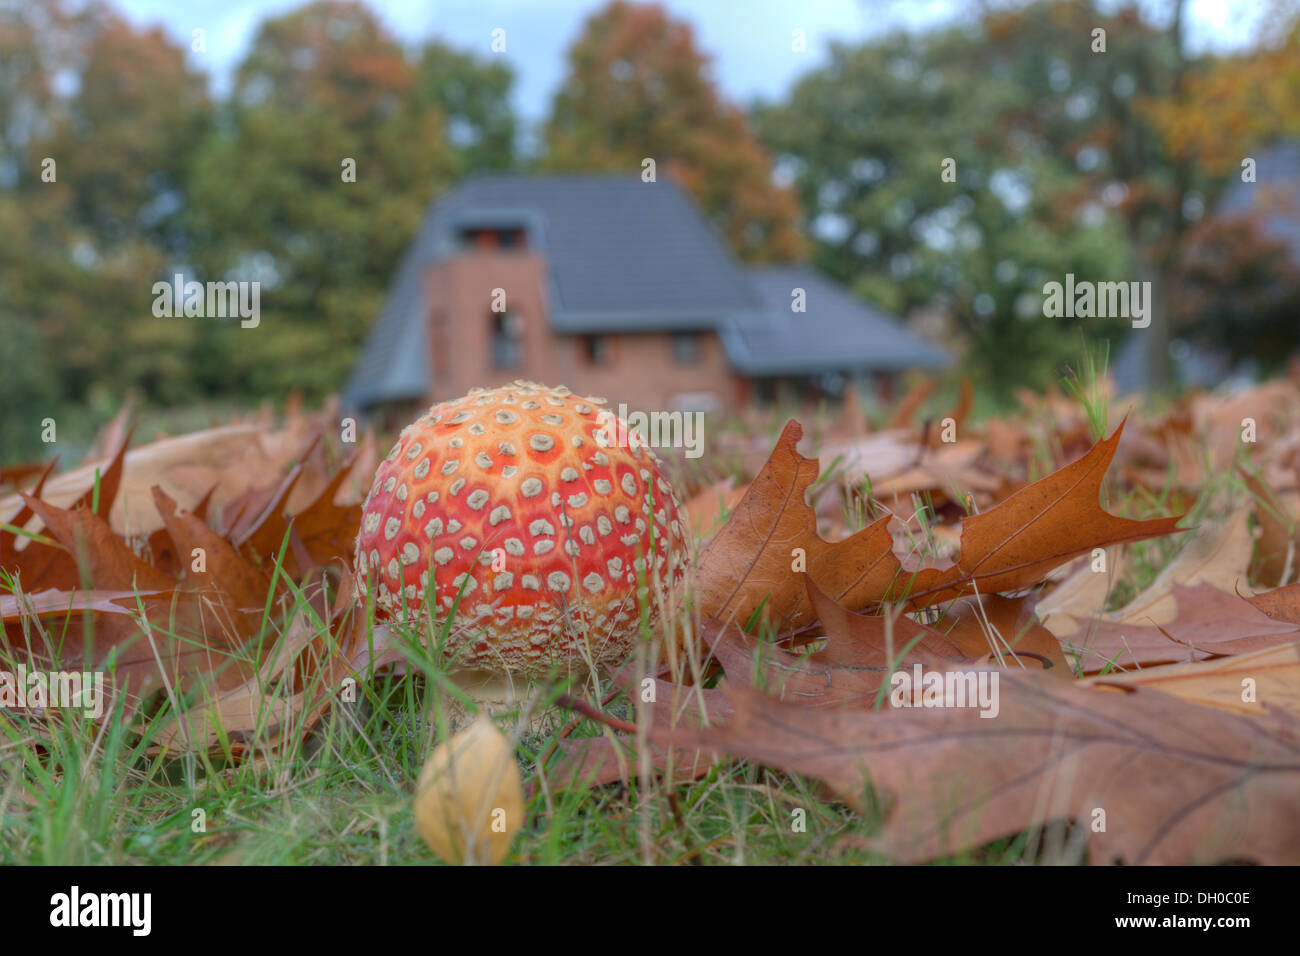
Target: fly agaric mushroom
{"x":531,"y":517}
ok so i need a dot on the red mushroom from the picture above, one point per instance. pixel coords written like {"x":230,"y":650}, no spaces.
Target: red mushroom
{"x":531,"y":518}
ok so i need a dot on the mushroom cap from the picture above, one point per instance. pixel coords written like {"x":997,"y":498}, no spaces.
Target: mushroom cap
{"x":532,"y":519}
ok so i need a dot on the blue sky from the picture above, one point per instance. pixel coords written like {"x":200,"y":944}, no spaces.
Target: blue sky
{"x":748,"y":39}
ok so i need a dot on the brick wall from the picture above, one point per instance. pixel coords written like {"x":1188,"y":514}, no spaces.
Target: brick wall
{"x":639,"y":369}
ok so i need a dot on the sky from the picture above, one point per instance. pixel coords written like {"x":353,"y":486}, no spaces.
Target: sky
{"x":749,"y":40}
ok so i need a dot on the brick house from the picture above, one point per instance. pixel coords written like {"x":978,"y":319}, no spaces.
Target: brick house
{"x":616,"y":288}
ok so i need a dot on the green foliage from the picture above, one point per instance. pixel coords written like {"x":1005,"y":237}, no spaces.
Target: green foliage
{"x":890,"y":225}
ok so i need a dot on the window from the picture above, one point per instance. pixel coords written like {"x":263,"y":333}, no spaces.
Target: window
{"x":507,"y":340}
{"x":595,"y":349}
{"x":686,"y":348}
{"x":490,"y":240}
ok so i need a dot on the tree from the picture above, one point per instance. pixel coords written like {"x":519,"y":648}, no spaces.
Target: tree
{"x":638,"y":88}
{"x":92,"y":199}
{"x":314,"y":185}
{"x":473,"y":95}
{"x":925,"y":181}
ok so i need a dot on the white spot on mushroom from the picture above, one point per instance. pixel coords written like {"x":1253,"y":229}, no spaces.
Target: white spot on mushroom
{"x":506,"y":417}
{"x":391,"y":483}
{"x":402,"y":493}
{"x":571,"y":547}
{"x":431,"y":497}
{"x":507,"y":448}
{"x":460,"y":418}
{"x":543,"y":546}
{"x":629,"y":484}
{"x":453,"y":526}
{"x":413,"y":452}
{"x":499,"y":514}
{"x":372,"y":522}
{"x":594,"y":583}
{"x":541,"y":442}
{"x":476,"y":429}
{"x":601,"y":459}
{"x":602,"y":486}
{"x":614,"y":566}
{"x":392,"y":567}
{"x":410,"y":553}
{"x":531,"y":487}
{"x":509,"y":471}
{"x":433,"y":528}
{"x":468,"y":542}
{"x":502,"y":581}
{"x":557,"y":581}
{"x":514,"y":546}
{"x":466,"y":579}
{"x":630,"y":539}
{"x":443,"y":555}
{"x":477,"y":499}
{"x":553,"y":419}
{"x":603,"y":524}
{"x":483,"y":461}
{"x":391,"y":527}
{"x":569,"y":474}
{"x":622,"y":515}
{"x":417,"y":509}
{"x":579,"y":500}
{"x":449,"y":466}
{"x":456,"y":486}
{"x":531,"y":582}
{"x":540,"y":526}
{"x":456,"y":442}
{"x":586,"y":534}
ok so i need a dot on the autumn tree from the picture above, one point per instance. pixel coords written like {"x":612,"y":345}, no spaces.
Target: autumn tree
{"x":472,"y":93}
{"x":318,"y":179}
{"x":926,"y":184}
{"x":90,"y":207}
{"x":638,"y":88}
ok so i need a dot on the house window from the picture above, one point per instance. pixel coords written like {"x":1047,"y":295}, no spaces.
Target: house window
{"x":507,"y":340}
{"x":686,"y":348}
{"x":595,"y":349}
{"x":490,"y":240}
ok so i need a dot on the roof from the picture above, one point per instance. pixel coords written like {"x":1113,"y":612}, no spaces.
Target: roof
{"x":1274,"y":197}
{"x":623,"y":255}
{"x":837,"y":330}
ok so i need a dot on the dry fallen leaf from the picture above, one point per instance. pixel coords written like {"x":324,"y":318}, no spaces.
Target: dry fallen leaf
{"x":1177,"y":783}
{"x":469,"y":802}
{"x":1245,"y":683}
